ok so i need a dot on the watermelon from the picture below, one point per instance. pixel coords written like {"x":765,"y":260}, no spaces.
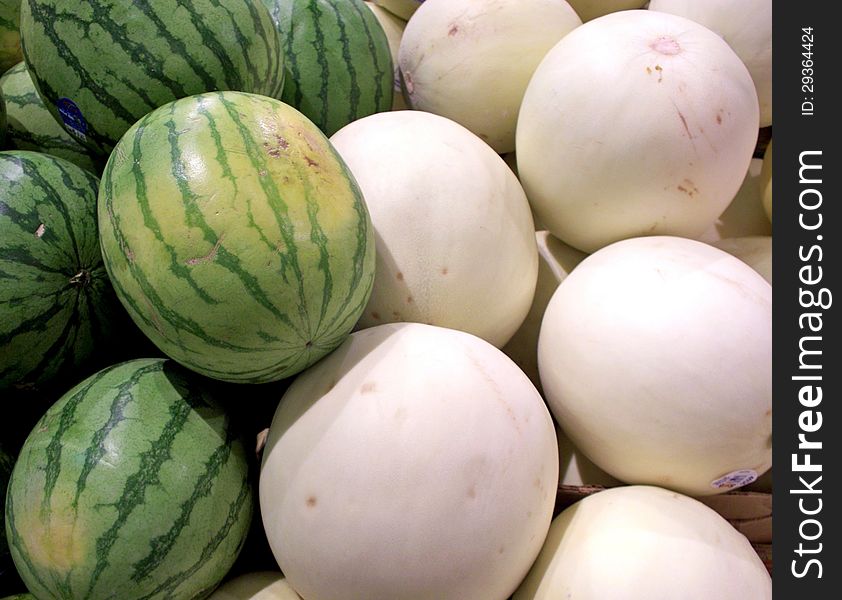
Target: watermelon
{"x":132,"y":486}
{"x":337,"y":60}
{"x":235,"y":236}
{"x":55,"y":300}
{"x":30,"y":126}
{"x":2,"y":122}
{"x":10,"y":52}
{"x":101,"y":65}
{"x":20,"y":597}
{"x":6,"y":464}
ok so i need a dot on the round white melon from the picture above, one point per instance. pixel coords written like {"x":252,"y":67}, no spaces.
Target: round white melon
{"x":393,"y":26}
{"x":745,"y":215}
{"x":556,"y":260}
{"x":766,"y":181}
{"x":645,"y":543}
{"x":401,"y":8}
{"x":412,"y":462}
{"x":636,"y":123}
{"x":454,"y":234}
{"x":263,"y":585}
{"x":747,"y":27}
{"x":655,"y":356}
{"x":755,"y":251}
{"x":591,"y":9}
{"x":471,"y":61}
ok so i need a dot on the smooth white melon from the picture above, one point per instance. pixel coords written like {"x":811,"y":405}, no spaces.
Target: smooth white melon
{"x":412,"y":462}
{"x":470,"y":61}
{"x":393,"y":26}
{"x":745,"y":215}
{"x":262,"y":585}
{"x":599,"y":167}
{"x":574,"y":468}
{"x":655,"y":356}
{"x":556,"y":261}
{"x":755,"y":251}
{"x":747,"y":27}
{"x":454,"y":234}
{"x":401,"y":8}
{"x":591,"y":9}
{"x":645,"y":543}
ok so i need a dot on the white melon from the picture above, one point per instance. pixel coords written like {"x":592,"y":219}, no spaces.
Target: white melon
{"x":645,"y":543}
{"x":470,"y":60}
{"x":655,"y":356}
{"x":412,"y":462}
{"x":574,"y":468}
{"x":401,"y":8}
{"x":454,"y":234}
{"x":556,"y":260}
{"x":263,"y":585}
{"x":591,"y":9}
{"x":745,"y":215}
{"x":598,"y":167}
{"x":747,"y":27}
{"x":393,"y":26}
{"x":755,"y":251}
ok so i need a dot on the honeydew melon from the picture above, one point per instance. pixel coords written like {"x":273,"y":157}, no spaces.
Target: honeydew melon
{"x":645,"y":543}
{"x":655,"y":356}
{"x":454,"y":237}
{"x":574,"y":468}
{"x":262,"y":585}
{"x":471,"y":61}
{"x":755,"y":251}
{"x":598,"y":168}
{"x":746,"y":26}
{"x":412,"y":462}
{"x":745,"y":215}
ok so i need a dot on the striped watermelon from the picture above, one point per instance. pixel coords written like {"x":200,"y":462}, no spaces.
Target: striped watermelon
{"x":30,"y":126}
{"x":101,"y":65}
{"x":55,"y":297}
{"x":235,"y":236}
{"x":10,"y":52}
{"x":132,"y":486}
{"x":2,"y":122}
{"x":337,"y":60}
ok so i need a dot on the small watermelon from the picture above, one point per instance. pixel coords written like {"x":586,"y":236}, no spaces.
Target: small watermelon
{"x":101,"y":65}
{"x":30,"y":126}
{"x":337,"y":60}
{"x":235,"y":236}
{"x":10,"y":52}
{"x":132,"y":486}
{"x":55,"y":300}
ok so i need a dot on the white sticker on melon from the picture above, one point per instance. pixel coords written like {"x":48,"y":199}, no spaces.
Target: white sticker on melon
{"x":636,"y":123}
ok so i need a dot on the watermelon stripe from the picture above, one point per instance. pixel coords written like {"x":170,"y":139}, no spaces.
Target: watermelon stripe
{"x":161,"y":546}
{"x":96,"y":448}
{"x":354,"y":92}
{"x":14,"y":539}
{"x":135,"y":487}
{"x":321,"y":59}
{"x":380,"y":73}
{"x":235,"y":509}
{"x":291,"y":64}
{"x":211,"y":42}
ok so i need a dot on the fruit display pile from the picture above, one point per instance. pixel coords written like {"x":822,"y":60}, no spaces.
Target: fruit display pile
{"x":325,"y":299}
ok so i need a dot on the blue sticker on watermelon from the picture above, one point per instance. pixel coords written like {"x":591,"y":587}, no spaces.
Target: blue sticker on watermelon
{"x":72,"y":117}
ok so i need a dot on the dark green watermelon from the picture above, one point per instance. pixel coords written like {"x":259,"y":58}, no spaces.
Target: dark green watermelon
{"x":56,"y":301}
{"x":133,"y":486}
{"x":101,"y":65}
{"x":337,"y":60}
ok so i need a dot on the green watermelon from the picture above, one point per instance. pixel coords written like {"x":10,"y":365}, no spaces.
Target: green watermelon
{"x":10,"y":52}
{"x":337,"y":60}
{"x":132,"y":486}
{"x":30,"y":126}
{"x":2,"y":122}
{"x":235,"y":236}
{"x":6,"y":464}
{"x":20,"y":597}
{"x":55,"y":299}
{"x":101,"y":65}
